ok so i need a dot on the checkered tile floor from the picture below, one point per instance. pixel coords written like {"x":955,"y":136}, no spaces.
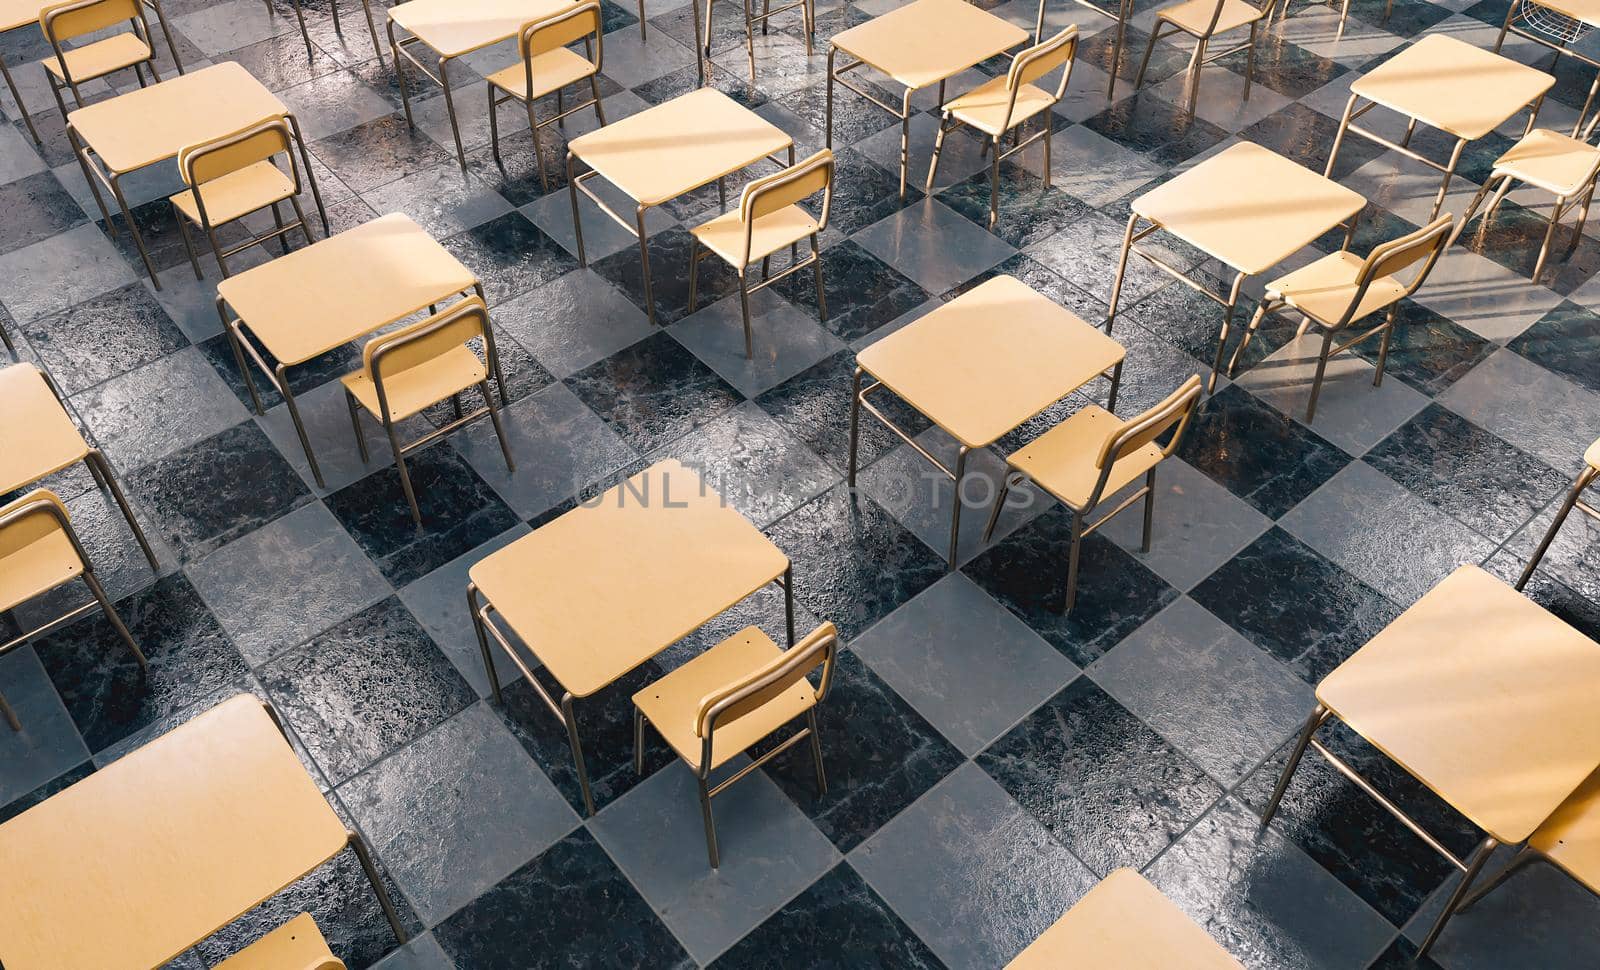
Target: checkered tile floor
{"x":989,"y":759}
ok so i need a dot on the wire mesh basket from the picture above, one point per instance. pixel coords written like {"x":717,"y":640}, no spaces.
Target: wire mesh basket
{"x":1558,"y":27}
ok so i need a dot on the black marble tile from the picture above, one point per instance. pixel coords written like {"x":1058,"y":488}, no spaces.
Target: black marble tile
{"x":1262,"y":456}
{"x":614,"y":16}
{"x":854,"y":118}
{"x":1428,"y":351}
{"x":605,"y":728}
{"x":515,"y":174}
{"x":1165,"y":61}
{"x":1473,"y":475}
{"x":1513,"y":239}
{"x":1286,"y":68}
{"x":364,"y":688}
{"x":218,"y":489}
{"x":36,"y":208}
{"x":1148,"y":125}
{"x":863,"y":292}
{"x":838,"y":922}
{"x":879,"y":755}
{"x":1286,"y":598}
{"x":853,"y":563}
{"x":1029,"y":211}
{"x":1027,"y":572}
{"x":734,"y":83}
{"x":157,"y":221}
{"x":279,"y":62}
{"x":679,"y":24}
{"x":510,"y":255}
{"x":669,"y":273}
{"x":378,"y":151}
{"x":103,"y":337}
{"x":1405,"y":20}
{"x":1102,"y":781}
{"x":1581,"y":613}
{"x":302,"y":377}
{"x":1353,"y":837}
{"x":1192,"y":323}
{"x":459,"y":512}
{"x":1564,"y":341}
{"x":653,"y":392}
{"x":100,"y":682}
{"x":1402,"y":953}
{"x":569,"y":907}
{"x":1305,"y":135}
{"x":1041,"y":279}
{"x":814,"y":405}
{"x":67,"y":778}
{"x":864,"y":192}
{"x":753,"y":463}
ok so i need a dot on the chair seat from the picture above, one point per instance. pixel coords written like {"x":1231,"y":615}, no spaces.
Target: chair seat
{"x":724,"y":235}
{"x":672,"y":703}
{"x":984,"y":107}
{"x":551,"y":70}
{"x":237,"y":194}
{"x":101,"y":57}
{"x":296,"y":945}
{"x":415,"y":388}
{"x":1323,"y":290}
{"x":1061,"y":461}
{"x":1194,"y":16}
{"x":1571,"y":837}
{"x":1592,"y":456}
{"x":39,"y":566}
{"x":1551,"y":161}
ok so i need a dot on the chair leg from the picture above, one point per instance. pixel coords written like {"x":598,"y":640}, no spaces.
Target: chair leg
{"x":594,"y":91}
{"x":816,"y":267}
{"x":1072,"y":563}
{"x":216,"y":247}
{"x":283,"y":237}
{"x":694,"y":273}
{"x":711,"y":826}
{"x":1585,"y":479}
{"x":998,"y":507}
{"x":938,"y":146}
{"x":1474,"y":866}
{"x":1149,"y":509}
{"x":641,"y":20}
{"x":1549,"y":234}
{"x":749,"y":40}
{"x":299,"y":213}
{"x":744,"y":311}
{"x":1383,"y":348}
{"x":95,"y":458}
{"x":1047,"y":139}
{"x":1250,"y":59}
{"x":188,"y":243}
{"x":1144,"y":62}
{"x":1524,"y":856}
{"x":355,"y":426}
{"x":1196,"y":65}
{"x":1316,"y":381}
{"x":111,"y":615}
{"x":1316,"y":720}
{"x":494,"y":128}
{"x":994,"y":184}
{"x":638,"y":741}
{"x":9,"y":714}
{"x":405,"y":476}
{"x":816,"y":752}
{"x":538,"y":148}
{"x":494,"y":419}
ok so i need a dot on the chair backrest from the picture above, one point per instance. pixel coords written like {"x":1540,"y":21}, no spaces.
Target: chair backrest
{"x":228,"y":153}
{"x":770,"y":193}
{"x":32,"y":517}
{"x":1136,"y":432}
{"x":1034,"y":63}
{"x":64,"y":21}
{"x":416,"y":344}
{"x":1395,"y":256}
{"x":817,"y":649}
{"x":578,"y":22}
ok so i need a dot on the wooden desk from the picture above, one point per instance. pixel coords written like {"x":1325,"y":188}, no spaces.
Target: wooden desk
{"x":15,"y":14}
{"x":143,"y":127}
{"x":1124,"y":923}
{"x":1484,"y":697}
{"x":667,"y":151}
{"x":158,"y":850}
{"x":923,"y":43}
{"x":610,"y":584}
{"x":1448,"y":84}
{"x":39,"y":439}
{"x":452,"y":29}
{"x":980,"y":366}
{"x":313,"y":300}
{"x":1248,"y":207}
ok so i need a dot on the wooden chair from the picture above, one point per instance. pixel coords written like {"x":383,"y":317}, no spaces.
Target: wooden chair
{"x":415,"y":367}
{"x":1574,"y":499}
{"x":768,"y":219}
{"x":232,"y":176}
{"x":735,"y":694}
{"x":549,"y":65}
{"x":808,"y":14}
{"x":1093,"y":455}
{"x":296,"y":945}
{"x":39,"y":551}
{"x":1563,"y":165}
{"x":1203,"y":20}
{"x":1341,"y":288}
{"x":68,"y":67}
{"x":1004,"y":104}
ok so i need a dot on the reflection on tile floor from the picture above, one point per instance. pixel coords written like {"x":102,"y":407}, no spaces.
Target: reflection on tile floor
{"x":988,"y":758}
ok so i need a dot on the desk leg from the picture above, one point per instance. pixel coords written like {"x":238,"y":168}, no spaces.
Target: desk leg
{"x":1227,"y":326}
{"x":166,"y":32}
{"x":299,"y":426}
{"x":1449,"y":173}
{"x":1480,"y":855}
{"x":827,"y":125}
{"x":855,"y":426}
{"x":400,"y":75}
{"x":450,"y":108}
{"x":955,"y":509}
{"x":1338,"y":139}
{"x":365,"y":858}
{"x":644,"y":264}
{"x":577,"y":752}
{"x":239,"y":359}
{"x":372,"y":30}
{"x":1124,"y":10}
{"x":1511,"y":13}
{"x":1122,"y":270}
{"x":15,"y":96}
{"x":311,"y":178}
{"x":905,"y":138}
{"x":788,"y":601}
{"x":702,"y":40}
{"x":483,"y":643}
{"x":572,"y":193}
{"x":133,"y":230}
{"x":305,"y":35}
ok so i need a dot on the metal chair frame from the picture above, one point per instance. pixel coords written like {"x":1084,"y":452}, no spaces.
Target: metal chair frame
{"x":807,"y":11}
{"x":594,"y":52}
{"x":141,"y":28}
{"x":1199,"y":59}
{"x":1573,"y":500}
